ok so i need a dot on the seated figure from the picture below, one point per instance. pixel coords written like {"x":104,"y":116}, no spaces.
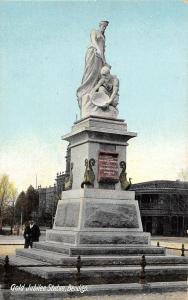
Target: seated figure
{"x":103,"y":99}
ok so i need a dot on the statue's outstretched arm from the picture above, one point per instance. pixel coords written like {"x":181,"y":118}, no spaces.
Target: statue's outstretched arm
{"x":101,"y":81}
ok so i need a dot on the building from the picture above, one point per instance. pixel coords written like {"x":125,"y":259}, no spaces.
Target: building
{"x":163,"y":203}
{"x":49,"y":196}
{"x":48,"y":199}
{"x":163,"y":206}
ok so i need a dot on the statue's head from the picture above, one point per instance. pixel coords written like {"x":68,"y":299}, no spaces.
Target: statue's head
{"x":105,"y":70}
{"x":103,"y":25}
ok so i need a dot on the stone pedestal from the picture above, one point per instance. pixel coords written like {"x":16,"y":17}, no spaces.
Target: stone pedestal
{"x":100,"y":213}
{"x":93,"y":135}
{"x":100,"y":222}
{"x":98,"y":217}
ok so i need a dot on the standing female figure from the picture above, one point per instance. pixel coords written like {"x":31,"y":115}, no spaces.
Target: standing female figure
{"x":94,"y":61}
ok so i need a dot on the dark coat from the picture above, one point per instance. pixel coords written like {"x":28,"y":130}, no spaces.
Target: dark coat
{"x":27,"y":233}
{"x":35,"y":233}
{"x":32,"y":234}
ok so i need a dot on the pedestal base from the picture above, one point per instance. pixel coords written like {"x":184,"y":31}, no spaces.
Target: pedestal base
{"x":98,"y":217}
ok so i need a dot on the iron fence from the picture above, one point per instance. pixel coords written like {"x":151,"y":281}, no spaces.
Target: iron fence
{"x":182,"y":249}
{"x":9,"y":268}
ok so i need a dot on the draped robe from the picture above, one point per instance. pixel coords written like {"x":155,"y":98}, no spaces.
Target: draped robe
{"x":94,"y":61}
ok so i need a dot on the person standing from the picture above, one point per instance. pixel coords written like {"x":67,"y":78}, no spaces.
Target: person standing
{"x":31,"y":234}
{"x":34,"y":232}
{"x":26,"y":235}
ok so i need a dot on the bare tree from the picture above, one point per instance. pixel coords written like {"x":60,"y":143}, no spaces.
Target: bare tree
{"x":7,"y":196}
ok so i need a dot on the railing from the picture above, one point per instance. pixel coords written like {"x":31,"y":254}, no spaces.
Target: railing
{"x":8,"y":270}
{"x":182,"y":249}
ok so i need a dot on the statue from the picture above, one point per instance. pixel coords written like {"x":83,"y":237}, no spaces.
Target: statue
{"x":125,"y":184}
{"x":103,"y":98}
{"x":108,"y":85}
{"x":98,"y":93}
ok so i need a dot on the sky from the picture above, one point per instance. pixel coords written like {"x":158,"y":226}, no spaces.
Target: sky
{"x":42,"y":52}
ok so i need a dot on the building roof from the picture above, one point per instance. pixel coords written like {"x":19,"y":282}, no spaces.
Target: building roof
{"x":160,"y":185}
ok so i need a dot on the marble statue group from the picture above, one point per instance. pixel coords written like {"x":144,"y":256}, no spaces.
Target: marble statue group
{"x":98,"y":92}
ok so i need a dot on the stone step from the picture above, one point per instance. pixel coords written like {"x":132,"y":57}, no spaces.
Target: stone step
{"x":98,"y":238}
{"x":110,"y":250}
{"x":38,"y":270}
{"x":46,"y":256}
{"x":58,"y":258}
{"x":20,"y":260}
{"x":102,"y":274}
{"x":116,"y":250}
{"x":52,"y":246}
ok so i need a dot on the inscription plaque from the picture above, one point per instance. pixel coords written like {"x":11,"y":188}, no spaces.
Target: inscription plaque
{"x":108,"y":167}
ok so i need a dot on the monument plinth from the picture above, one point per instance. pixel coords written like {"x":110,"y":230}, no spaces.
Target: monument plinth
{"x":93,"y":217}
{"x":89,"y":139}
{"x":96,"y":211}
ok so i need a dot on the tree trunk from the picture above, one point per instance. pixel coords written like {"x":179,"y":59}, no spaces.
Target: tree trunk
{"x":1,"y":225}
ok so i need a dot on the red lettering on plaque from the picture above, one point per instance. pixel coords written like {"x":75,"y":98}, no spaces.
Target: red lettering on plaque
{"x":108,"y":167}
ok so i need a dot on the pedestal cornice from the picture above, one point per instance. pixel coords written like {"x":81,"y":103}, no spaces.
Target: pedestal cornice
{"x":93,"y":129}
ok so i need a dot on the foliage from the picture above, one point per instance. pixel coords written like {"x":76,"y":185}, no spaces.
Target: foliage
{"x":20,"y":207}
{"x":27,"y":203}
{"x":32,"y":200}
{"x":7,"y":197}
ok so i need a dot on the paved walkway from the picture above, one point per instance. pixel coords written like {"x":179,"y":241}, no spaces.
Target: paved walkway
{"x":14,"y":242}
{"x":172,"y":242}
{"x":17,"y":239}
{"x":152,"y":296}
{"x":170,"y":239}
